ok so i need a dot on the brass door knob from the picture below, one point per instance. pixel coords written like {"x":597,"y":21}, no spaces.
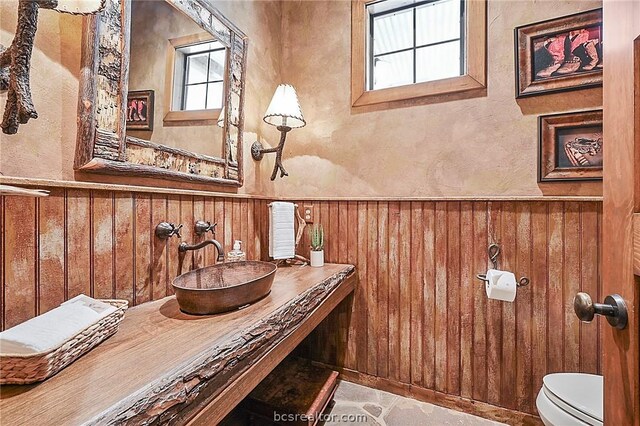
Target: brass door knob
{"x":614,"y":308}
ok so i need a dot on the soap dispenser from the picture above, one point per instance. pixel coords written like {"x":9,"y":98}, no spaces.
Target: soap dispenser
{"x":236,"y":255}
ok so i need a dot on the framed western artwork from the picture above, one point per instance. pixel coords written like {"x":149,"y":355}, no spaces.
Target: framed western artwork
{"x":571,"y":146}
{"x":140,"y":110}
{"x":559,"y":54}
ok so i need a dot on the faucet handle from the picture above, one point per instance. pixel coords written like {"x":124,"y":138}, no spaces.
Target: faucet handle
{"x":202,"y":227}
{"x":165,"y":230}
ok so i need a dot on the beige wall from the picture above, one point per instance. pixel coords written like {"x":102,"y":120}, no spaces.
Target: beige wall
{"x":482,"y":146}
{"x":45,"y":148}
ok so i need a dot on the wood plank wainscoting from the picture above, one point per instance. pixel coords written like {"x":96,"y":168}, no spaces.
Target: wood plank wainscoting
{"x":102,"y":243}
{"x":419,"y":324}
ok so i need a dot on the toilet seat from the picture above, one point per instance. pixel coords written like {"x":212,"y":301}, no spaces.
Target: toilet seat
{"x":571,"y":399}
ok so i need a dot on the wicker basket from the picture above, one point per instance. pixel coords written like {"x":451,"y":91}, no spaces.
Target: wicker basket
{"x":30,"y":368}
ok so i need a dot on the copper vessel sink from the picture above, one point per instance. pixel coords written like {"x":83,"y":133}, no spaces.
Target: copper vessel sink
{"x":223,"y":287}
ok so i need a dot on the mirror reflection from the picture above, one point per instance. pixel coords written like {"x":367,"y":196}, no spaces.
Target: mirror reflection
{"x":177,"y":81}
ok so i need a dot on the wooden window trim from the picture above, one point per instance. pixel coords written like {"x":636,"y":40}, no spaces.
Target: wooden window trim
{"x":474,"y":79}
{"x":185,"y":118}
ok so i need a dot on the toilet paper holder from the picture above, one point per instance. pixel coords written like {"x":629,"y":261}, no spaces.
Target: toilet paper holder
{"x":494,"y":253}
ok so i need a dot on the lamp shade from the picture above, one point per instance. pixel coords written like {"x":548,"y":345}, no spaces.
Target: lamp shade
{"x":284,"y":109}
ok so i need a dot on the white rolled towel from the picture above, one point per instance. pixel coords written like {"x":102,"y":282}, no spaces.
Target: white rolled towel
{"x":51,"y":329}
{"x":282,"y":240}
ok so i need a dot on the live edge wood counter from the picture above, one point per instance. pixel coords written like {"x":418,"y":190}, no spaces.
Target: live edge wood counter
{"x":166,"y":367}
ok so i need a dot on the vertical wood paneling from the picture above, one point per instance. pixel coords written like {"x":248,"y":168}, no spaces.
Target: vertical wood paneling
{"x":438,"y":330}
{"x":479,"y":240}
{"x":429,"y":297}
{"x":555,"y":285}
{"x":419,"y":317}
{"x":79,"y":244}
{"x":415,"y":284}
{"x":102,"y":222}
{"x":124,"y":245}
{"x":372,"y":288}
{"x":362,"y":290}
{"x":440,"y":317}
{"x":523,"y":303}
{"x":453,"y":298}
{"x":51,"y":260}
{"x":382,"y":326}
{"x":405,"y":292}
{"x":508,"y":243}
{"x":394,"y":291}
{"x":143,"y":243}
{"x":468,"y":283}
{"x":18,"y":252}
{"x":539,"y":285}
{"x":352,"y":258}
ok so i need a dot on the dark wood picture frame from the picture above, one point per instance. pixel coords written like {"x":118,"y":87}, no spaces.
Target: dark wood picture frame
{"x":569,"y":164}
{"x":102,"y":145}
{"x":146,"y":96}
{"x":538,"y":72}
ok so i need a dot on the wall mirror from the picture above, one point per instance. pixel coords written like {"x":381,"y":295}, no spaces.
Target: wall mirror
{"x":162,"y":92}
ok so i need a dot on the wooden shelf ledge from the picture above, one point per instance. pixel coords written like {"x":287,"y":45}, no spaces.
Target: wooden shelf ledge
{"x":166,"y":367}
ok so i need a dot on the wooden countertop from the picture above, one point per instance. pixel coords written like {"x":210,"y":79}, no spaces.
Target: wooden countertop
{"x":164,"y":366}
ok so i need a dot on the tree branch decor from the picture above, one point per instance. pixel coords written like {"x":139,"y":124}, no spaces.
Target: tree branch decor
{"x":15,"y":61}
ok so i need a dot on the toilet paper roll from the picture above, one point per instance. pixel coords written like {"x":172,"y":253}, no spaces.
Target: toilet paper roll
{"x":501,"y":285}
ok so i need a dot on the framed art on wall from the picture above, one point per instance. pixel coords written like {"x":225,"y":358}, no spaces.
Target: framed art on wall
{"x":570,"y":146}
{"x":140,"y":110}
{"x":559,"y":54}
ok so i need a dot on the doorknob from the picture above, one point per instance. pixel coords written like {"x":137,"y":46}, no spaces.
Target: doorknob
{"x":613,"y":308}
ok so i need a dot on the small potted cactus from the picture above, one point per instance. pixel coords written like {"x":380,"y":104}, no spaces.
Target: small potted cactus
{"x":316,"y":234}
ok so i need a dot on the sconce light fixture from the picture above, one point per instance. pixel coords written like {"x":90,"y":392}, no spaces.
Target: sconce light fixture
{"x":15,"y":60}
{"x":284,"y":112}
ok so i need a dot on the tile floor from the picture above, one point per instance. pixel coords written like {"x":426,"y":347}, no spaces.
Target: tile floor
{"x":360,"y":405}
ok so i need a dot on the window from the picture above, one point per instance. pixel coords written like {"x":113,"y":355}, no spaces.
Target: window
{"x":195,"y":80}
{"x":202,"y":76}
{"x":407,"y":49}
{"x":415,"y":42}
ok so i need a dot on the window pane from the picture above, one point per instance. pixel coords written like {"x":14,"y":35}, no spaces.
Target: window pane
{"x":438,"y":62}
{"x":195,"y":97}
{"x":436,"y":22}
{"x":395,"y":69}
{"x":216,"y":65}
{"x":197,"y":68}
{"x":393,"y":32}
{"x":214,"y":97}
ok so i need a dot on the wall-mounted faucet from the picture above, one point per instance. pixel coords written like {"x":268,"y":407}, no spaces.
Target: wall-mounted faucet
{"x":166,"y":230}
{"x":201,"y":227}
{"x":183,"y":248}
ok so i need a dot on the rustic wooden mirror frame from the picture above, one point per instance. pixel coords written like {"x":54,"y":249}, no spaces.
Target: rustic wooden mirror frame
{"x":102,"y":144}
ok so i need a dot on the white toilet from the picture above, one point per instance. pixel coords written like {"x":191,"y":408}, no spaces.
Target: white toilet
{"x":571,"y":399}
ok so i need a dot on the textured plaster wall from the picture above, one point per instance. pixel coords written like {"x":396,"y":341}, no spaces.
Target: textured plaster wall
{"x":480,"y":146}
{"x":45,"y":148}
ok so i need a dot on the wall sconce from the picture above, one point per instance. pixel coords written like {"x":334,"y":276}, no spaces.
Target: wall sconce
{"x":284,"y":112}
{"x":15,"y":60}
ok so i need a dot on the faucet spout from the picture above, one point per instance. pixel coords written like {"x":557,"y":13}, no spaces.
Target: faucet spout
{"x":183,"y":248}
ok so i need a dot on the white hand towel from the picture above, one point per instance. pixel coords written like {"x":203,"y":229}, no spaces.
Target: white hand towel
{"x":51,"y":329}
{"x":282,"y":240}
